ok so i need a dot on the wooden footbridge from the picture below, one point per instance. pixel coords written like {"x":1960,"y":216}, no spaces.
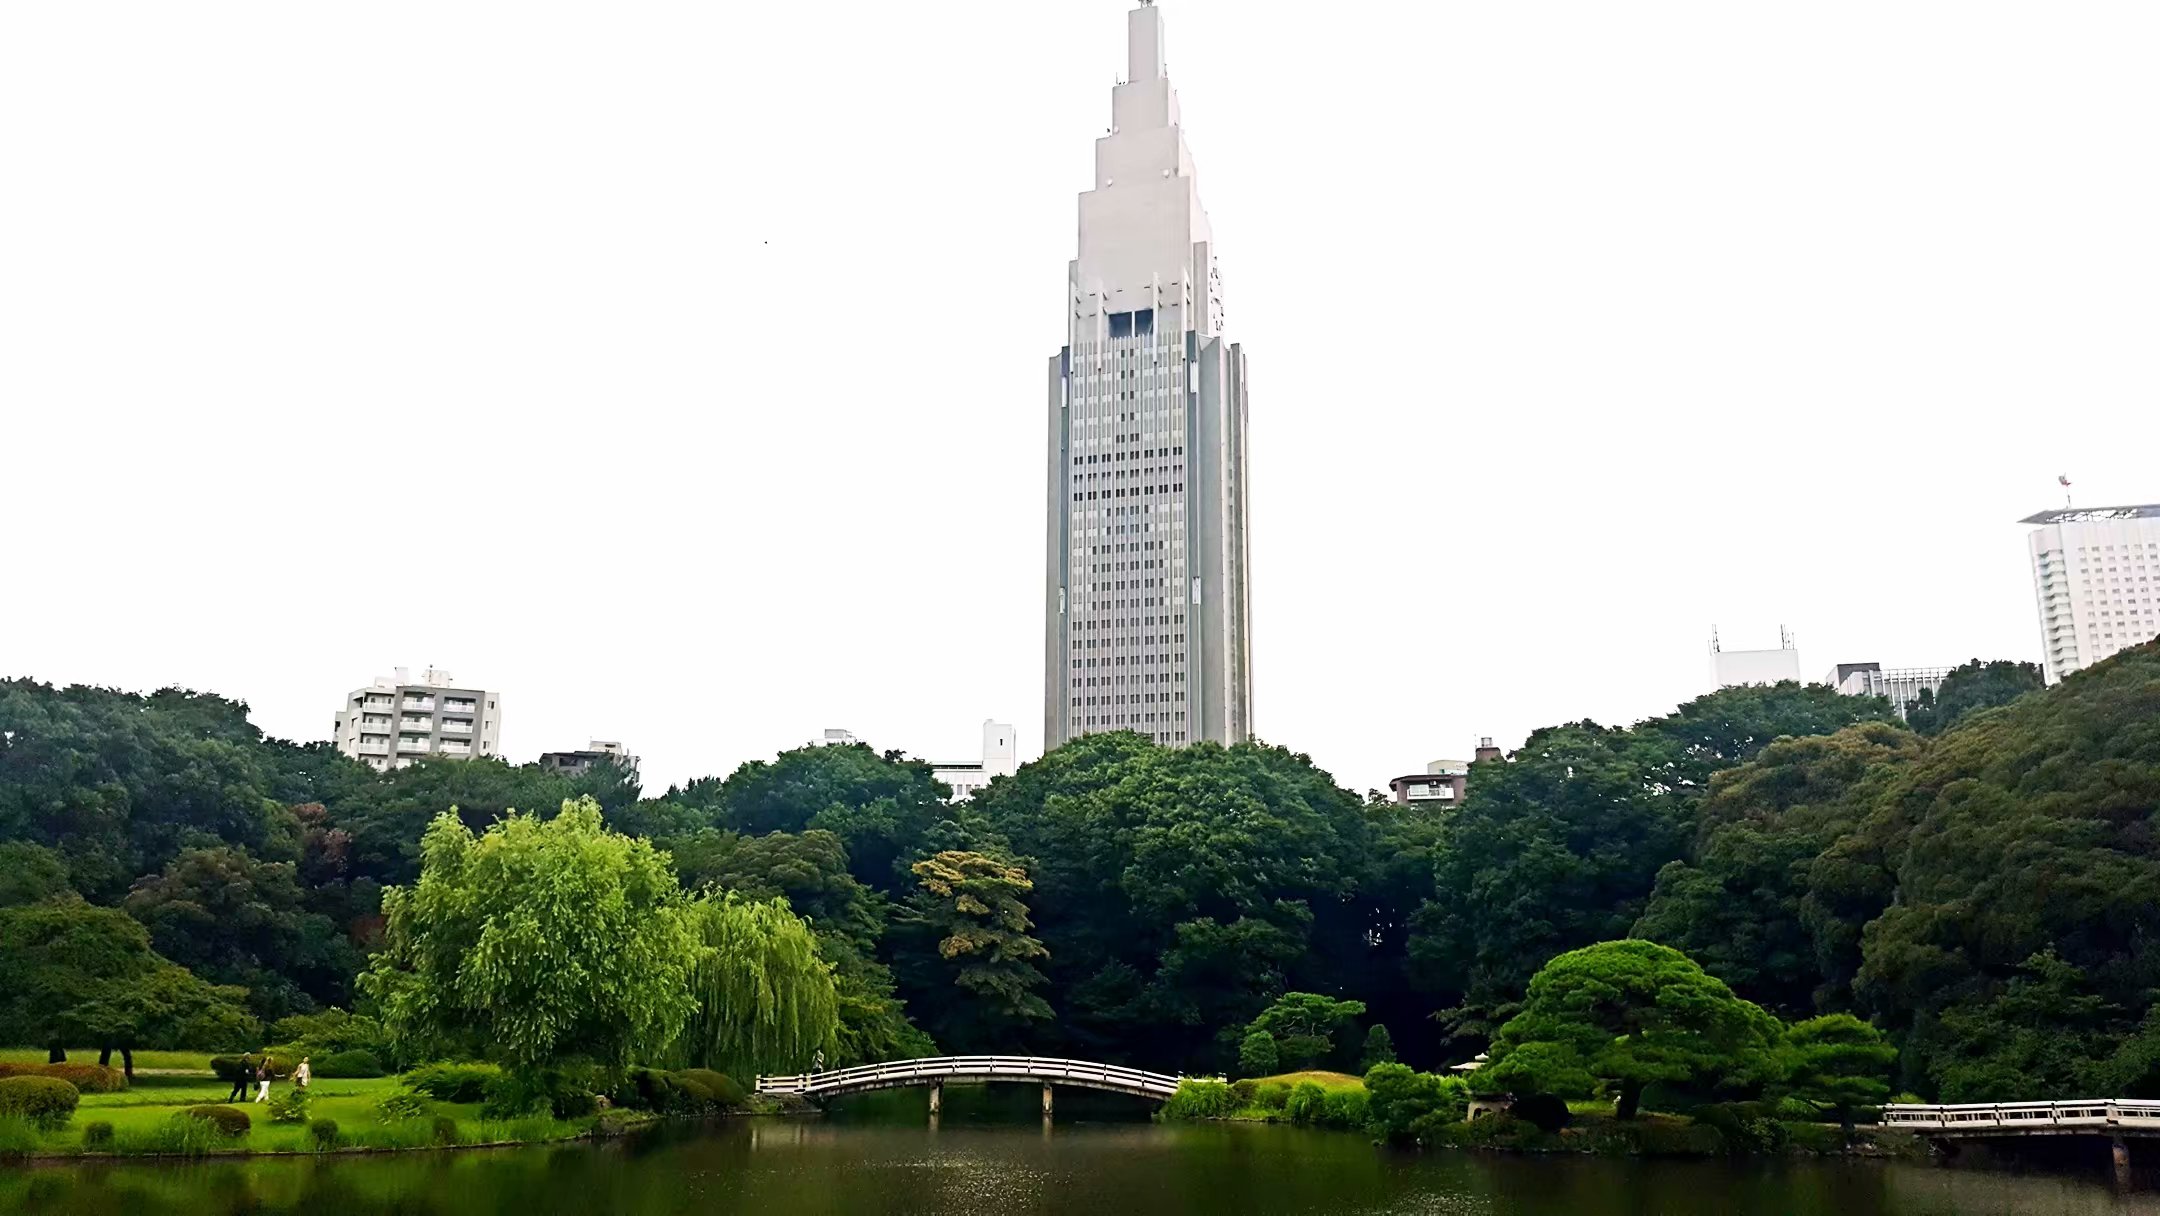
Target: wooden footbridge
{"x":1989,"y":1120}
{"x":935,"y":1071}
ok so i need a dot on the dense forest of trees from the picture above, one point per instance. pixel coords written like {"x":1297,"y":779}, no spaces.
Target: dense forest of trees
{"x":1983,"y":886}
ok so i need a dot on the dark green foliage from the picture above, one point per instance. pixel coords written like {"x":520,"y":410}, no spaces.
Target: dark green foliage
{"x":1346,"y":1108}
{"x":1630,"y":1014}
{"x":48,"y":1102}
{"x":882,"y":808}
{"x":1257,"y":1056}
{"x":30,"y":873}
{"x":348,"y":1064}
{"x":722,"y":1087}
{"x":1272,"y":1095}
{"x":1201,"y":1100}
{"x":445,"y":1130}
{"x":974,"y":907}
{"x":1743,"y":1128}
{"x":324,"y":1132}
{"x":329,"y":1032}
{"x":453,"y":1082}
{"x":234,"y":920}
{"x":574,"y":1104}
{"x":1379,"y":1048}
{"x":72,"y":973}
{"x":1836,"y":1063}
{"x":242,"y":1068}
{"x":1546,"y":1112}
{"x":1970,"y":688}
{"x":518,"y":1092}
{"x":232,"y":1122}
{"x":1246,"y":1090}
{"x":97,"y":1134}
{"x":1560,"y":846}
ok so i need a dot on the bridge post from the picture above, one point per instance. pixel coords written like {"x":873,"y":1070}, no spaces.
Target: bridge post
{"x":937,"y":1096}
{"x":2122,"y":1159}
{"x":1048,"y":1105}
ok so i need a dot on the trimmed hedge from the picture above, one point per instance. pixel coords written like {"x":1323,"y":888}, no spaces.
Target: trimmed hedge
{"x":230,"y":1121}
{"x":48,"y":1102}
{"x":86,"y":1078}
{"x":97,"y":1134}
{"x":233,"y":1068}
{"x":348,"y":1065}
{"x":722,"y":1087}
{"x":324,"y":1132}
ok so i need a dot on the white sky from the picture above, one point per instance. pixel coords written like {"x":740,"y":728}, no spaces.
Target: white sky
{"x":677,"y":368}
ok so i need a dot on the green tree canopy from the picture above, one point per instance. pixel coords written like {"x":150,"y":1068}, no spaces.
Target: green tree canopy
{"x":234,"y":920}
{"x":1837,"y":1062}
{"x":73,"y":974}
{"x":1631,"y":1014}
{"x":1306,"y":1026}
{"x":537,"y":941}
{"x":1969,"y":688}
{"x":975,"y":907}
{"x":881,"y":807}
{"x":765,"y":999}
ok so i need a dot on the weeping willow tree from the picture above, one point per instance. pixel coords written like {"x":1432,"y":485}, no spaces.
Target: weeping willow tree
{"x":765,"y":996}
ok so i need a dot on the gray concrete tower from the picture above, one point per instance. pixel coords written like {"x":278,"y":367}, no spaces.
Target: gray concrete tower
{"x":1148,"y":618}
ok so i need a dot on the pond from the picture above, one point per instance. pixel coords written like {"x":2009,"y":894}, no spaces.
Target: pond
{"x":865,"y":1164}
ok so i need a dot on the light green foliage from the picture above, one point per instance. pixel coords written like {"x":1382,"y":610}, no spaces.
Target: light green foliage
{"x":1200,"y":1100}
{"x":329,"y":1032}
{"x":1835,"y":1062}
{"x":539,"y":940}
{"x":765,"y":997}
{"x":30,"y":873}
{"x":290,"y":1105}
{"x":1257,"y":1056}
{"x":1346,"y":1108}
{"x":1305,"y":1026}
{"x":1379,"y":1048}
{"x":1403,"y":1104}
{"x":976,"y":907}
{"x":1305,"y":1103}
{"x":1629,"y":1013}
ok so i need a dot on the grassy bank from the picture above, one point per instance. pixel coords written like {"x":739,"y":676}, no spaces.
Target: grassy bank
{"x":143,"y":1122}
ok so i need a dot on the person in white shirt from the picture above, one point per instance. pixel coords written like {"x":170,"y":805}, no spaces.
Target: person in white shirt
{"x":302,"y":1073}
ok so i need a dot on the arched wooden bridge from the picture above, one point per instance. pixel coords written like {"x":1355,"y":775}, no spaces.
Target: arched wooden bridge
{"x":935,"y":1071}
{"x":2115,"y":1117}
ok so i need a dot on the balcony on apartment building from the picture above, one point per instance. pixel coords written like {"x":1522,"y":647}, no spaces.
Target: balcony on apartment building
{"x":456,"y":726}
{"x":408,"y":743}
{"x":425,"y":705}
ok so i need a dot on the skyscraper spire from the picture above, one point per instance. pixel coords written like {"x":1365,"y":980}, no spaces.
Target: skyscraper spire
{"x":1147,"y":608}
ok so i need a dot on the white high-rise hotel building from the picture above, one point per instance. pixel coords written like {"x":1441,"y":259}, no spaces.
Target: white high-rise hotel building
{"x":2096,"y":574}
{"x":1147,"y":615}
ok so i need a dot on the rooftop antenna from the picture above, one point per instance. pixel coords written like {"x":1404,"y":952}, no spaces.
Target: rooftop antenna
{"x":2065,"y":480}
{"x":1713,"y":640}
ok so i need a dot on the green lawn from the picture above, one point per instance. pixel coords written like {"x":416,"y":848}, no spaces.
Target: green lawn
{"x":152,"y":1100}
{"x":1321,"y":1077}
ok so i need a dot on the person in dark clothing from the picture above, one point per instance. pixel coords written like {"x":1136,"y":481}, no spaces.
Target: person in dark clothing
{"x":241,"y":1078}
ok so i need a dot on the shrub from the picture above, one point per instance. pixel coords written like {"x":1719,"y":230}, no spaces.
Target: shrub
{"x":97,"y":1134}
{"x":1245,"y":1091}
{"x":1407,"y":1105}
{"x":290,"y":1106}
{"x":453,"y":1082}
{"x":724,"y":1089}
{"x":1257,"y":1055}
{"x":349,"y":1064}
{"x":612,"y":1123}
{"x":1345,"y":1108}
{"x":230,"y":1121}
{"x":1305,"y":1102}
{"x":574,"y":1104}
{"x":650,"y":1089}
{"x":1379,"y":1048}
{"x":1546,"y":1112}
{"x":48,"y":1102}
{"x":512,"y":1094}
{"x":691,"y":1096}
{"x":324,"y":1132}
{"x":1200,"y":1100}
{"x":1273,"y":1095}
{"x":86,"y":1078}
{"x":445,"y":1130}
{"x":1743,"y":1127}
{"x":329,"y":1032}
{"x":403,"y":1105}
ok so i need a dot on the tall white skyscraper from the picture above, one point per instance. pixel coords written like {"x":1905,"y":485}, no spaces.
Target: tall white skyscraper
{"x":1148,"y":616}
{"x":2096,"y":574}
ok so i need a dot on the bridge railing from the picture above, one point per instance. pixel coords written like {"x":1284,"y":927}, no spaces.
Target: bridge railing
{"x":938,"y":1068}
{"x":2030,"y":1117}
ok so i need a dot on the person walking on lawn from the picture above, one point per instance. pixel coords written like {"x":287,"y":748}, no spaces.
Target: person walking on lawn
{"x":245,"y":1074}
{"x":262,"y":1076}
{"x":302,"y":1074}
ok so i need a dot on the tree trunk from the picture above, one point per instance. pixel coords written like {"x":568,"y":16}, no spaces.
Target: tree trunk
{"x":127,"y":1063}
{"x":1845,"y":1123}
{"x":1630,"y":1100}
{"x":56,"y":1055}
{"x":104,"y":1057}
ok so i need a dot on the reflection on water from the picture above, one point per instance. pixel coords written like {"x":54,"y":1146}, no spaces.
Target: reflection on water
{"x":843,"y":1165}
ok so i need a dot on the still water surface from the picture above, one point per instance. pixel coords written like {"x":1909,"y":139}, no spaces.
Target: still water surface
{"x":804,"y":1167}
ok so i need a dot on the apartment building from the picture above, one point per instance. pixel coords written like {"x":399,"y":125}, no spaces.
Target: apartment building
{"x":2096,"y":575}
{"x":397,"y":720}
